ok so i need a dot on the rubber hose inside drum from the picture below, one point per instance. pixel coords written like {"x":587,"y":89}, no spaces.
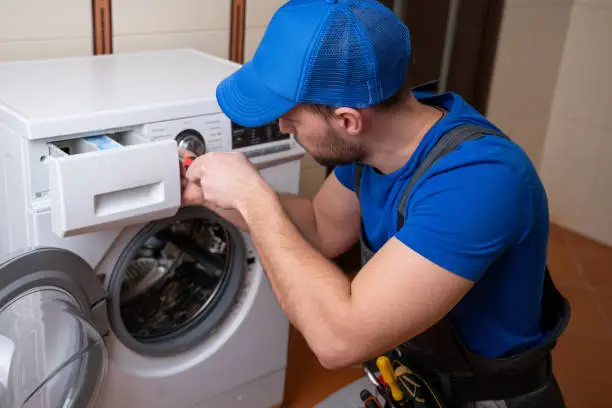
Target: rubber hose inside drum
{"x":174,"y":277}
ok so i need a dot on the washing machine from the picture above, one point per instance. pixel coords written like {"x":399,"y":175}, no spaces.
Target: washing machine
{"x":112,"y":294}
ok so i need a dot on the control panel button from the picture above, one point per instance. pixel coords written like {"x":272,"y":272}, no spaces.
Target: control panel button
{"x":247,"y":137}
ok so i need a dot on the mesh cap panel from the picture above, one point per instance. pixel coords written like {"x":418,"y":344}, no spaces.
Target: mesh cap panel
{"x":352,"y":60}
{"x":341,"y":71}
{"x":384,"y":35}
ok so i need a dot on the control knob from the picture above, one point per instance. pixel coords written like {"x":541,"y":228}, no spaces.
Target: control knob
{"x":191,"y":140}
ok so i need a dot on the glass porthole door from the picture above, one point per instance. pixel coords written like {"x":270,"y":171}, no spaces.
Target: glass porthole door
{"x":52,"y":329}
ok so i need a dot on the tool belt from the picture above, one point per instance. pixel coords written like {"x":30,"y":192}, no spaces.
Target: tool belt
{"x":415,"y":389}
{"x":437,"y":370}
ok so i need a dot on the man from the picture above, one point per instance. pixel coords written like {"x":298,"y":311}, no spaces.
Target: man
{"x":466,"y":247}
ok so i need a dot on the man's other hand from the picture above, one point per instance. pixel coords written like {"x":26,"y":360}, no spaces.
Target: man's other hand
{"x":224,"y":180}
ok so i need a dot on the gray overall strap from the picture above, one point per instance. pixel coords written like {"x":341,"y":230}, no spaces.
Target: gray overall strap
{"x":357,"y":177}
{"x":446,"y":144}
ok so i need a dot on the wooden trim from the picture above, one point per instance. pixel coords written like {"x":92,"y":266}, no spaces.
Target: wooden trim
{"x":490,"y":43}
{"x":102,"y":27}
{"x":237,"y":32}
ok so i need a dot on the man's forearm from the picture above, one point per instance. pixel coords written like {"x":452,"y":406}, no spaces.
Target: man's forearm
{"x":312,"y":291}
{"x":299,"y":209}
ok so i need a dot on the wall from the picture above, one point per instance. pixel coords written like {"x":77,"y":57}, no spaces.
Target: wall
{"x":137,"y":25}
{"x":552,"y":93}
{"x":160,"y":24}
{"x":577,"y":165}
{"x":529,"y":53}
{"x":258,"y":15}
{"x":27,"y":32}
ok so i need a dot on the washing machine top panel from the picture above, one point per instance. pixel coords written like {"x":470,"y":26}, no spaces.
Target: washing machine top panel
{"x":58,"y":97}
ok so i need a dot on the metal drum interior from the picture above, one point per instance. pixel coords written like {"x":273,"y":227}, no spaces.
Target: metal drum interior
{"x":175,"y":276}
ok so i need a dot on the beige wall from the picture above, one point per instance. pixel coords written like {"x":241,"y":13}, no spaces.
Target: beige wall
{"x":552,"y":92}
{"x":64,"y":27}
{"x":577,"y":160}
{"x":258,"y":15}
{"x":160,"y":24}
{"x":45,"y":29}
{"x":529,"y":54}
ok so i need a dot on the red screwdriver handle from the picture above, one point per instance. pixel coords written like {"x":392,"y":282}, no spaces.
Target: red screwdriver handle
{"x":186,"y":162}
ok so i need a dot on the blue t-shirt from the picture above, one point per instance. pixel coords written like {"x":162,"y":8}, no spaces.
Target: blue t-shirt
{"x":480,"y":212}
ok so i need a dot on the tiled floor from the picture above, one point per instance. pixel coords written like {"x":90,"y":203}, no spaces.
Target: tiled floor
{"x":582,"y":270}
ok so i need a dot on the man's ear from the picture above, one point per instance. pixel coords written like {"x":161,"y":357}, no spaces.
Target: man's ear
{"x":348,"y":119}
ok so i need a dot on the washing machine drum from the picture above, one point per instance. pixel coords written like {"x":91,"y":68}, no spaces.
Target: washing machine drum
{"x":47,"y":351}
{"x":175,"y":282}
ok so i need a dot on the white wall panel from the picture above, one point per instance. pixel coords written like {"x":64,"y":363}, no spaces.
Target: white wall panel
{"x":162,"y":24}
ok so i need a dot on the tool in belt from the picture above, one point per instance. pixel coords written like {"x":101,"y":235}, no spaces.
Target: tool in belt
{"x":437,"y":370}
{"x":401,"y":387}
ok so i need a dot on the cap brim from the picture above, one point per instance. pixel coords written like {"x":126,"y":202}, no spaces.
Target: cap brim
{"x":248,"y":102}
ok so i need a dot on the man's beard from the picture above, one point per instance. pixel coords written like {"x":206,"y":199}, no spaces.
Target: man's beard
{"x":333,"y":151}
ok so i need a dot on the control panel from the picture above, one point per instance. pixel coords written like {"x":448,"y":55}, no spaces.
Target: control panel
{"x":199,"y":134}
{"x":247,"y":137}
{"x":216,"y":132}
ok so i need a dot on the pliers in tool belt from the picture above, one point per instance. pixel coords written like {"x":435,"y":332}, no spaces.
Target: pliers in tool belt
{"x":380,"y":389}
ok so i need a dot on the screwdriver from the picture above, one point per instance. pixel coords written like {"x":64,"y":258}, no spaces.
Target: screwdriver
{"x":186,"y":162}
{"x":379,"y":387}
{"x":386,"y":369}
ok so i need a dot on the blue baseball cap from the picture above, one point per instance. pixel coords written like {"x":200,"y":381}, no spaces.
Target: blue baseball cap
{"x":338,"y":53}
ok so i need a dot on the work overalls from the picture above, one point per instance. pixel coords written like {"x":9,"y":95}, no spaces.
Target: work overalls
{"x":440,"y":371}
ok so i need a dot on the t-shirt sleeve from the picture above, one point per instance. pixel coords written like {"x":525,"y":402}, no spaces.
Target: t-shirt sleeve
{"x":345,"y":175}
{"x":462,"y":220}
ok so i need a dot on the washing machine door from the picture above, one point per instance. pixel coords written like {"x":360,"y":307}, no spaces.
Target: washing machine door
{"x":52,"y":330}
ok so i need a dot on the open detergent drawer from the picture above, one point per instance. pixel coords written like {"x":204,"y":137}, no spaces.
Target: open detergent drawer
{"x":111,"y":181}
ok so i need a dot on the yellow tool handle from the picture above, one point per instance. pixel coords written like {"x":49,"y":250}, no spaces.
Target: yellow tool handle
{"x":386,"y":369}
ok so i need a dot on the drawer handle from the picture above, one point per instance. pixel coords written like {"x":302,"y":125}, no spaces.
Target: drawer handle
{"x":128,"y":199}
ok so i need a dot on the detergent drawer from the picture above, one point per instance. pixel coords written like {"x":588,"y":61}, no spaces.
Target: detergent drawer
{"x":111,"y":182}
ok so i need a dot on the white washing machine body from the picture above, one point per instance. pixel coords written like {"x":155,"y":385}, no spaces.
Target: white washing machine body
{"x":90,"y":176}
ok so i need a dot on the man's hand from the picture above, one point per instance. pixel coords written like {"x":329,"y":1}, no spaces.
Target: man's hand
{"x":330,"y":222}
{"x":191,"y":192}
{"x":224,"y":180}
